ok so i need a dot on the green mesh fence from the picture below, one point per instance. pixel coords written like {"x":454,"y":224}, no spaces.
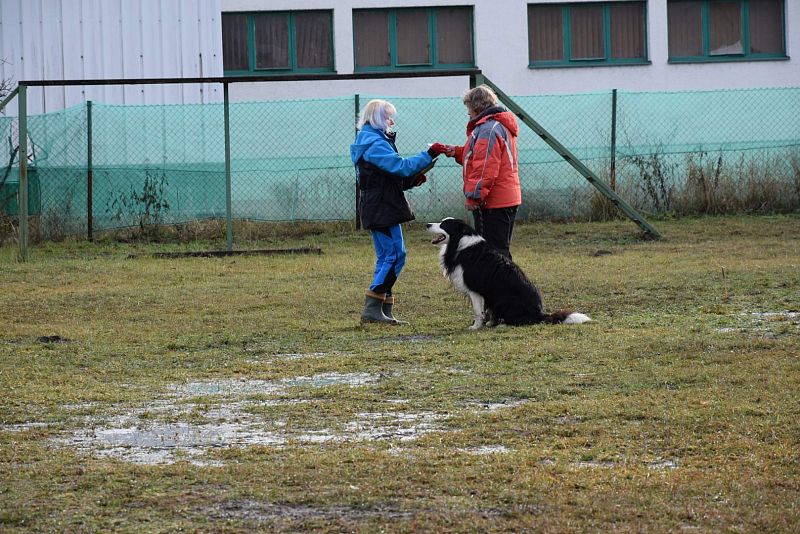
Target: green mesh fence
{"x":686,"y":152}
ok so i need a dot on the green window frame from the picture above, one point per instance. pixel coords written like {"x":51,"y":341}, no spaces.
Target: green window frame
{"x":378,"y":38}
{"x":294,"y":40}
{"x":560,"y":38}
{"x":703,"y":32}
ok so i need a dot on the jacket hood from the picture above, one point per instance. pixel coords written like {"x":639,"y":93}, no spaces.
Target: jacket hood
{"x":365,"y":138}
{"x":501,"y":115}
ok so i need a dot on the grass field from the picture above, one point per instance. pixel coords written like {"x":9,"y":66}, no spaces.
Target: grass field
{"x":145,"y":394}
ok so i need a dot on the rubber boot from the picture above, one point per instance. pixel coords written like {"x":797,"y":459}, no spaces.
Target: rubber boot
{"x":373,"y":312}
{"x":388,"y":303}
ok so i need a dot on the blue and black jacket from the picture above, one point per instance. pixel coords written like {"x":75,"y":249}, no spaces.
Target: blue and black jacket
{"x":382,"y":176}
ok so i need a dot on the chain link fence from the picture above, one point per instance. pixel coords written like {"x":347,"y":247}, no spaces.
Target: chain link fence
{"x":115,"y":166}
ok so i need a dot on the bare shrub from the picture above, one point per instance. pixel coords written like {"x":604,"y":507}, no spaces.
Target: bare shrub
{"x":794,"y":162}
{"x":146,"y":207}
{"x":60,"y":221}
{"x":656,"y":179}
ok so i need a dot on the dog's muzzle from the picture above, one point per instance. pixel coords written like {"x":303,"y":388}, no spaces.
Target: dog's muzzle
{"x":438,"y":236}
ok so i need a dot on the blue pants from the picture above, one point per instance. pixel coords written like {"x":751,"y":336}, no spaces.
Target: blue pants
{"x":391,"y":253}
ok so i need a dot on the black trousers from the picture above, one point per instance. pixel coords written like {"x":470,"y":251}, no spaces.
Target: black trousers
{"x":496,"y":226}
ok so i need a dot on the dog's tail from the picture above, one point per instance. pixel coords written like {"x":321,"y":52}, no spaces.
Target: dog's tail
{"x":567,"y":317}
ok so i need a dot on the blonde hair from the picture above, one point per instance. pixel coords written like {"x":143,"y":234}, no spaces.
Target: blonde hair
{"x":375,"y":113}
{"x":480,"y":98}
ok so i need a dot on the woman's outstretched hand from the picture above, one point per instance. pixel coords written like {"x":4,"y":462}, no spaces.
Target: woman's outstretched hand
{"x":438,"y":148}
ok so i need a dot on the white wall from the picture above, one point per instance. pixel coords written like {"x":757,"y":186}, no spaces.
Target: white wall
{"x":501,"y":48}
{"x":509,"y":25}
{"x":103,"y":39}
{"x":82,"y":39}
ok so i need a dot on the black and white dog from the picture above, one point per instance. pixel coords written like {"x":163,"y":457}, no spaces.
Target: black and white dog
{"x":498,"y":289}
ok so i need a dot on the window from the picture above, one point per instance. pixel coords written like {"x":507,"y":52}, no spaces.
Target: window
{"x":277,"y":42}
{"x":413,"y":38}
{"x":725,"y":30}
{"x":607,"y":33}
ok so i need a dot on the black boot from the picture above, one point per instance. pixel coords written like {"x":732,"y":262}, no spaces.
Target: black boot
{"x":388,"y":303}
{"x":373,"y":312}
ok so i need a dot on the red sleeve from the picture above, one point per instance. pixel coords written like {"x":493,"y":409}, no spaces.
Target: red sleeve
{"x":459,"y":155}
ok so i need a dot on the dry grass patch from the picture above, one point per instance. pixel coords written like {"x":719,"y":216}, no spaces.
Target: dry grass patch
{"x":236,"y":394}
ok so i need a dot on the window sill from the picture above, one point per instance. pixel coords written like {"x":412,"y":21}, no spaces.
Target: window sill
{"x":275,"y":73}
{"x":729,"y":59}
{"x":583,"y":65}
{"x":405,"y":68}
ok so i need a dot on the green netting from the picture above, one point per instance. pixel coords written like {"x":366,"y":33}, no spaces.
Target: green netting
{"x":5,"y":129}
{"x":290,"y":159}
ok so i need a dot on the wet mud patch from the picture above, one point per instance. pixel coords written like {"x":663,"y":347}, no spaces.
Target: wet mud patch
{"x":22,"y":427}
{"x":53,"y":339}
{"x":191,"y":420}
{"x":768,"y":324}
{"x":493,"y":406}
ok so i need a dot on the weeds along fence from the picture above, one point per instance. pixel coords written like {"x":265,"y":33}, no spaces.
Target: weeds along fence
{"x":96,"y":167}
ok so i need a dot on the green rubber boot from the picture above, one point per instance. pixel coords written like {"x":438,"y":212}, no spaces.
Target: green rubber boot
{"x":373,"y":312}
{"x":388,"y":303}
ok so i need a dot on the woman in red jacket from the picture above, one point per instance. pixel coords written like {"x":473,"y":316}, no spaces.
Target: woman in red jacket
{"x":490,"y":167}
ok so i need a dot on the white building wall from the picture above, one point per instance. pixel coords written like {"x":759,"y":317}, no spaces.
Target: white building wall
{"x":96,"y":39}
{"x":501,"y":49}
{"x":105,"y":39}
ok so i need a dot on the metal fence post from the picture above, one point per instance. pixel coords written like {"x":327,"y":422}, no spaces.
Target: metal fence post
{"x":23,"y":172}
{"x":613,"y":171}
{"x":357,"y":107}
{"x":89,"y":177}
{"x":475,"y":80}
{"x":228,"y":215}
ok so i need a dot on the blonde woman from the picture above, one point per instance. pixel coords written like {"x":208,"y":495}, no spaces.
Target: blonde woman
{"x":383,"y":175}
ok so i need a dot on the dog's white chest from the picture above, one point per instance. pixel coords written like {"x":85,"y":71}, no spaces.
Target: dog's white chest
{"x":457,"y":278}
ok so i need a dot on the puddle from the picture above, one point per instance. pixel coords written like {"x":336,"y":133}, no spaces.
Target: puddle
{"x":766,"y":323}
{"x":232,"y":387}
{"x":494,"y":406}
{"x":151,"y":443}
{"x":771,"y":316}
{"x":331,"y":379}
{"x":22,"y":427}
{"x":168,"y":436}
{"x":662,"y":464}
{"x":181,"y":427}
{"x":192,"y":419}
{"x":404,"y":426}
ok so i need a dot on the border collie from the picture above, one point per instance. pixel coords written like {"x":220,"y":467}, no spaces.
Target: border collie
{"x":498,"y":289}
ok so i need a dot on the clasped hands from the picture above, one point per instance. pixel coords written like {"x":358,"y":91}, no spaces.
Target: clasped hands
{"x":438,"y":148}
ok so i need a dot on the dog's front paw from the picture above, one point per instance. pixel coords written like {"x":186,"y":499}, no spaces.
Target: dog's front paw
{"x":477,"y":325}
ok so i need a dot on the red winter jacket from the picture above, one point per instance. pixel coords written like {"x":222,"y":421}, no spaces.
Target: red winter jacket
{"x":489,"y":160}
